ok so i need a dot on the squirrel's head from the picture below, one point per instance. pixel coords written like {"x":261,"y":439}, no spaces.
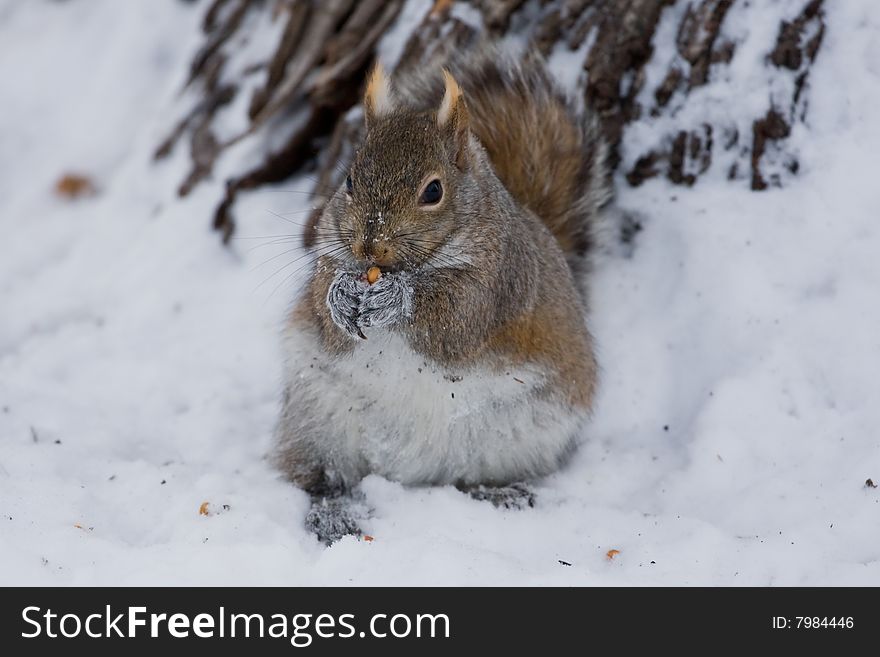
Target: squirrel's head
{"x":402,"y":198}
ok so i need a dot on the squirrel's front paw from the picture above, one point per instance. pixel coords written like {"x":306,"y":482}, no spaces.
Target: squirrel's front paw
{"x":343,"y":300}
{"x":388,"y":301}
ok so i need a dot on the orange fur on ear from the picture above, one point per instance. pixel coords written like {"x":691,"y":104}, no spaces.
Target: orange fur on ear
{"x":377,"y":99}
{"x":453,"y":114}
{"x":451,"y":99}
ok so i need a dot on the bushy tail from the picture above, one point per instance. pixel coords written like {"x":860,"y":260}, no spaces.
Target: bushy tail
{"x":550,"y":156}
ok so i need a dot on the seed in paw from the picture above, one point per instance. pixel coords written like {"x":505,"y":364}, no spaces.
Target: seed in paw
{"x":373,"y":275}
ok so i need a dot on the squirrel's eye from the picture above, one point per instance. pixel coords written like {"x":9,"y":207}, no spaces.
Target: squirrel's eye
{"x":348,"y":184}
{"x":432,"y":194}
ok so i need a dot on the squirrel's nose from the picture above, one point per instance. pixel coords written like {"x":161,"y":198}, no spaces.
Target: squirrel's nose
{"x":379,"y":252}
{"x":375,"y":247}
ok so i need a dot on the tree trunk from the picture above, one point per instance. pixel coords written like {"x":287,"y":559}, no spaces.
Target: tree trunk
{"x":658,"y":72}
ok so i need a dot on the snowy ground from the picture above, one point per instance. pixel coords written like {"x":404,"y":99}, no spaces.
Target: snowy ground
{"x":139,"y":364}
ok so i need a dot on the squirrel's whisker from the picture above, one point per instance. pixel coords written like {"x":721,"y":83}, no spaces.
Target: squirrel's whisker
{"x":322,"y":243}
{"x":310,"y":263}
{"x":274,"y":257}
{"x":330,"y":236}
{"x":313,"y":255}
{"x":286,"y":240}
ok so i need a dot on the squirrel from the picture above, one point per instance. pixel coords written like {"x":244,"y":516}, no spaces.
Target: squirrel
{"x":476,"y":193}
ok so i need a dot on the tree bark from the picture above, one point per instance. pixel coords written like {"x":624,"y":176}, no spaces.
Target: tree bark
{"x":642,"y":63}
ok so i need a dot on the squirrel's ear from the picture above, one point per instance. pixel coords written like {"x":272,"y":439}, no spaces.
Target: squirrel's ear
{"x":377,"y":100}
{"x":452,"y":118}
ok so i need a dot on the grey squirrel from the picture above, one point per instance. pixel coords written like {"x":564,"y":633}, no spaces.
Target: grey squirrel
{"x":475,"y":193}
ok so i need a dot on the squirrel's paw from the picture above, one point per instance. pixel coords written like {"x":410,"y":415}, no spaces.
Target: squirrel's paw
{"x":336,"y":515}
{"x":514,"y":496}
{"x":388,"y":301}
{"x":343,"y":300}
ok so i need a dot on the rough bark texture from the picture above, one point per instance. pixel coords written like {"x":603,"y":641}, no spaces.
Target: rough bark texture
{"x":301,"y":94}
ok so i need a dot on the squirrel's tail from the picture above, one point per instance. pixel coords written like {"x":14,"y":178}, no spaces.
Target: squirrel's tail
{"x":550,"y":156}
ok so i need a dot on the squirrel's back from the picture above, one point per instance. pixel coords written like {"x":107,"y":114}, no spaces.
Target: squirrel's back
{"x":550,"y":156}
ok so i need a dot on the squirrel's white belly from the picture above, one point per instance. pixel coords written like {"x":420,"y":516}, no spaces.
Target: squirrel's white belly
{"x":384,"y":409}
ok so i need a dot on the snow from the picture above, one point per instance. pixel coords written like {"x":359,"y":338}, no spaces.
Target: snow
{"x":139,"y":360}
{"x":391,"y":46}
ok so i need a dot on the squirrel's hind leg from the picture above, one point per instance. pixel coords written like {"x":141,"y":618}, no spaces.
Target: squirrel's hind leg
{"x":336,"y":512}
{"x":515,"y":496}
{"x":331,"y":518}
